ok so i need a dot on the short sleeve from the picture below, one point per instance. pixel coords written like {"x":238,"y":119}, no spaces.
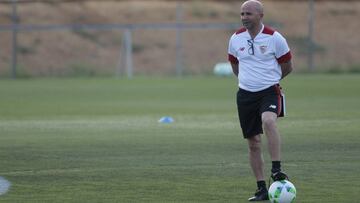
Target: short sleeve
{"x":231,"y":52}
{"x":282,"y":50}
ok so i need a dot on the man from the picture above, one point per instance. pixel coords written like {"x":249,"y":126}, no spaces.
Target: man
{"x":260,"y":58}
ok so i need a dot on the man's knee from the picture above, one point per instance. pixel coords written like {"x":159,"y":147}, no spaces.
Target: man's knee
{"x":254,"y":143}
{"x":269,"y":120}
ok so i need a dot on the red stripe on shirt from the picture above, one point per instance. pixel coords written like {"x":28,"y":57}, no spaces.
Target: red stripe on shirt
{"x":241,"y":30}
{"x":268,"y":30}
{"x":284,"y":58}
{"x":233,"y":59}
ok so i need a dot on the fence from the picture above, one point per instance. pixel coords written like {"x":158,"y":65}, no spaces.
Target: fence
{"x":193,"y":40}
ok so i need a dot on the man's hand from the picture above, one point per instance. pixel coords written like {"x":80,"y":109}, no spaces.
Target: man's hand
{"x":235,"y":68}
{"x":286,"y":68}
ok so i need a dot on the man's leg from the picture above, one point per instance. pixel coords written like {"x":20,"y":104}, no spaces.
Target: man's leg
{"x":255,"y":157}
{"x":257,"y":165}
{"x":274,"y":144}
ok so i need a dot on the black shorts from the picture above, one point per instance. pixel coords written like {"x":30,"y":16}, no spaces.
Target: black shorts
{"x":252,"y":104}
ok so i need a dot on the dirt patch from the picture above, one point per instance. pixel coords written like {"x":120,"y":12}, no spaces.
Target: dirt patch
{"x":99,"y":52}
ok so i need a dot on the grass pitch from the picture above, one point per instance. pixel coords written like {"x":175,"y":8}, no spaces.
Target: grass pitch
{"x":98,"y":140}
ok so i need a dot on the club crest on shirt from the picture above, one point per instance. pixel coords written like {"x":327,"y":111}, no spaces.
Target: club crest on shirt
{"x":242,"y":49}
{"x":263,"y":49}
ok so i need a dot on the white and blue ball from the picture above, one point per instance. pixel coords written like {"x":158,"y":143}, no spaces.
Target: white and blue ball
{"x":282,"y":192}
{"x":223,"y":69}
{"x":4,"y":185}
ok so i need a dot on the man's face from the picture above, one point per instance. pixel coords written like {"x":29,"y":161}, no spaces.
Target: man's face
{"x":250,"y":17}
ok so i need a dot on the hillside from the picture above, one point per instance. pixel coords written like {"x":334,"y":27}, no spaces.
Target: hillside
{"x":90,"y":52}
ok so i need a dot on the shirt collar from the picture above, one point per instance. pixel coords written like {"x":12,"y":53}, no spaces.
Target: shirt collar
{"x":261,"y":30}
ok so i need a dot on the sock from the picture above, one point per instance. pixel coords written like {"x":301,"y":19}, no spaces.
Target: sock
{"x":276,"y":166}
{"x":261,"y":184}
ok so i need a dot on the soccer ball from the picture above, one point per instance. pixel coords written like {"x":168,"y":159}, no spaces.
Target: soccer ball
{"x":223,"y":69}
{"x":282,"y":192}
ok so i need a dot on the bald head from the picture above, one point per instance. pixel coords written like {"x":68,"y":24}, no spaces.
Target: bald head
{"x":253,"y":4}
{"x":251,"y":15}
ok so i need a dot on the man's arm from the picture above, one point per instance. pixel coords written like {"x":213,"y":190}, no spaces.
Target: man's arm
{"x":286,"y":68}
{"x":235,"y":68}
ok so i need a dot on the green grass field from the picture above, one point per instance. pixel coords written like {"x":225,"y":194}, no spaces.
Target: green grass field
{"x":98,"y":140}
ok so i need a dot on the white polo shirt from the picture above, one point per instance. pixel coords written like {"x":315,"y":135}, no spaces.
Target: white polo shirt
{"x":258,"y":68}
